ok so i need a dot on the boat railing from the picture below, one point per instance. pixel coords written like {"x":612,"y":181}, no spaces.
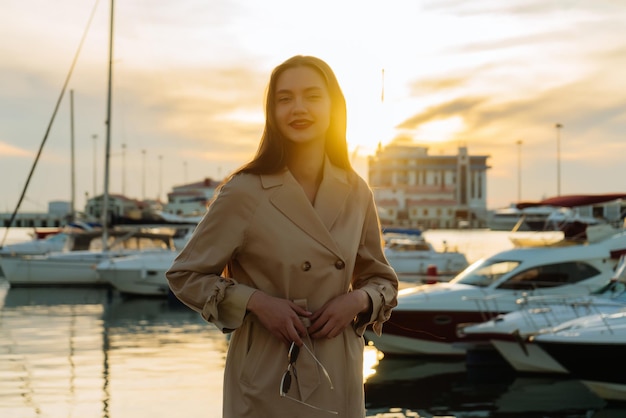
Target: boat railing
{"x":531,"y":300}
{"x":531,"y":306}
{"x":605,"y":320}
{"x":546,"y":307}
{"x":487,"y":305}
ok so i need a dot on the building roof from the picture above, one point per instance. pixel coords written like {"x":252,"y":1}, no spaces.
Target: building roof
{"x":207,"y":183}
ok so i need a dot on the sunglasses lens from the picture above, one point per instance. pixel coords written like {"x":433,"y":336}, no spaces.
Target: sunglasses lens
{"x":294,"y":350}
{"x":285,"y":384}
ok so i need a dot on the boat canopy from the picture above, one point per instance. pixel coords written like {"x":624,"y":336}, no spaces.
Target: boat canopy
{"x":574,"y":200}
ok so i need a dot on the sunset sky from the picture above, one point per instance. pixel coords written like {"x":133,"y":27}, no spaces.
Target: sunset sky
{"x":190,"y":75}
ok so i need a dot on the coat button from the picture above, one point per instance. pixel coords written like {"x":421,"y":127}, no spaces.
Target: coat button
{"x":306,"y":266}
{"x":339,"y":265}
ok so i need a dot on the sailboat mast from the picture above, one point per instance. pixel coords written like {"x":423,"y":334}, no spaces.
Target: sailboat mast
{"x":73,"y":163}
{"x":105,"y":197}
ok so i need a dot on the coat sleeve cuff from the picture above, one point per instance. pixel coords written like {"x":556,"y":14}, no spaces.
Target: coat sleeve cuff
{"x":382,"y":297}
{"x":226,"y":307}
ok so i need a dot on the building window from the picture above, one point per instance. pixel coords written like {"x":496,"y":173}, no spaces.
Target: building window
{"x":463,"y":185}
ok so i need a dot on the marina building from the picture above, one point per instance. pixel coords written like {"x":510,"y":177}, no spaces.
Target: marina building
{"x":191,"y":199}
{"x":58,"y":214}
{"x":184,"y":201}
{"x":188,"y":200}
{"x":415,"y":189}
{"x":119,"y":207}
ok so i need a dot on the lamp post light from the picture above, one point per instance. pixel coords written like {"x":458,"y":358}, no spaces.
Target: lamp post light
{"x":558,"y":127}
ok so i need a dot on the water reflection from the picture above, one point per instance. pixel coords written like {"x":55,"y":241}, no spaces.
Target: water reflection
{"x":438,"y":387}
{"x":87,"y":353}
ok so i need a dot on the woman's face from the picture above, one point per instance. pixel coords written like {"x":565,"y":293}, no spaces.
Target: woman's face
{"x":302,"y":108}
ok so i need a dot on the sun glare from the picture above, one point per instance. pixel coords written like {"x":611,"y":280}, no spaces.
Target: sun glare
{"x":439,"y":130}
{"x":374,"y":125}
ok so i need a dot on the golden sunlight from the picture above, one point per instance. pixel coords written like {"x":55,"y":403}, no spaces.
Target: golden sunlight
{"x":441,"y":130}
{"x":371,"y":358}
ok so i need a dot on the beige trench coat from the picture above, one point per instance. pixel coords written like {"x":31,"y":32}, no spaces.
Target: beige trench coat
{"x":276,"y":241}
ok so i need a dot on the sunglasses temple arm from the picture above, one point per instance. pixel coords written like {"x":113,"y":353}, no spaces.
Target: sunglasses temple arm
{"x":311,"y":406}
{"x":321,"y":366}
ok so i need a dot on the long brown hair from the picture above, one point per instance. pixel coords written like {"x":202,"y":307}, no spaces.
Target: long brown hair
{"x":271,"y":156}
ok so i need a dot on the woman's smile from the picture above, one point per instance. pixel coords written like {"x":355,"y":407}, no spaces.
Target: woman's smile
{"x":301,"y":124}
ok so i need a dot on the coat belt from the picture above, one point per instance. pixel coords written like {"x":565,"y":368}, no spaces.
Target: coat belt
{"x":308,"y":377}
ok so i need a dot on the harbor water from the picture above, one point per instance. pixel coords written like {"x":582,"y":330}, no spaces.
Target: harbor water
{"x":89,"y":353}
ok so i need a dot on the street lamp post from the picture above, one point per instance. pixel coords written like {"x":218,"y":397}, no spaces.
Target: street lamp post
{"x":519,"y":170}
{"x":160,"y":176}
{"x":123,"y":169}
{"x":143,"y":175}
{"x":95,"y":166}
{"x":558,"y":127}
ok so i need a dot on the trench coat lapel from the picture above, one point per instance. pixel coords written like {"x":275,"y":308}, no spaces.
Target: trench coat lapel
{"x":317,"y":220}
{"x":332,"y":194}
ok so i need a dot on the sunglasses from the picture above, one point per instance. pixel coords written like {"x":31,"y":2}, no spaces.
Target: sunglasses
{"x":285,"y":382}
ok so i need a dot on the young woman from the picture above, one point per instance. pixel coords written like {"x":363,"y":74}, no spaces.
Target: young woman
{"x":289,"y":258}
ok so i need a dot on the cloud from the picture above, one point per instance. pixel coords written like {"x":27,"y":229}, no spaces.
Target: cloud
{"x":442,"y":111}
{"x":519,"y":7}
{"x":437,"y":84}
{"x":10,"y":151}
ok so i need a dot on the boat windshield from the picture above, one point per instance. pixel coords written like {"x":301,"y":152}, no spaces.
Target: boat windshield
{"x":60,"y":237}
{"x":485,"y":272}
{"x":614,"y":289}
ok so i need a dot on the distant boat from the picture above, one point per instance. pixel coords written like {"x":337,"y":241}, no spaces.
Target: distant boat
{"x":566,"y":225}
{"x":138,"y":275}
{"x":155,"y":218}
{"x":54,"y":242}
{"x":553,"y":213}
{"x":412,"y":257}
{"x":45,"y":232}
{"x":78,"y":267}
{"x":512,"y":217}
{"x":391,"y":230}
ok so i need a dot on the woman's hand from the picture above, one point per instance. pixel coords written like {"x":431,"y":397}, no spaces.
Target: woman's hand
{"x":332,"y":318}
{"x":279,"y":316}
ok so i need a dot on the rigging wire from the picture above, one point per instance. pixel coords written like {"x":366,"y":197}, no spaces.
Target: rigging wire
{"x":54,"y":112}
